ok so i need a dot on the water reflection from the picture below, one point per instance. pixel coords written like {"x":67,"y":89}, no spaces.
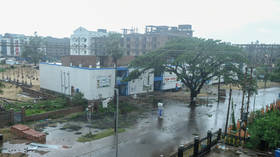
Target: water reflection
{"x":160,"y":123}
{"x":192,"y":119}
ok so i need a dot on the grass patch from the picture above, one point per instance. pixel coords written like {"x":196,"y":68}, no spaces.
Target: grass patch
{"x":39,"y":107}
{"x":125,"y":121}
{"x":75,"y":116}
{"x":90,"y":137}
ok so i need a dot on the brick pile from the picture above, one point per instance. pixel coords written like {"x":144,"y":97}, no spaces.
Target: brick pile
{"x":28,"y":133}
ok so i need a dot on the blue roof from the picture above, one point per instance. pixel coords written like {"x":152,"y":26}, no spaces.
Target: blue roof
{"x":85,"y":68}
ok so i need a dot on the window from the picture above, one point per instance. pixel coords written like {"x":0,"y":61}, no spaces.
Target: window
{"x":103,"y":81}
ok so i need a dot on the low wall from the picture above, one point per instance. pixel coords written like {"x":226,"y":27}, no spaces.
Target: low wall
{"x":37,"y":94}
{"x":5,"y":118}
{"x":57,"y":113}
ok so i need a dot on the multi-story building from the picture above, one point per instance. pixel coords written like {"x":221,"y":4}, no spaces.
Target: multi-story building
{"x":57,"y":47}
{"x":154,"y":37}
{"x":84,"y":42}
{"x":11,"y":44}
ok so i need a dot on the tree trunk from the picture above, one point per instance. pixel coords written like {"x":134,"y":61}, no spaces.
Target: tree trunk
{"x":193,"y":97}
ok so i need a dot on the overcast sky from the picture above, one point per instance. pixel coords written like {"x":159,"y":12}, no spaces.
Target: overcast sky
{"x":236,"y":21}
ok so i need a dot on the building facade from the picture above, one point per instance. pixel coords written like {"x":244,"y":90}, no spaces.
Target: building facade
{"x":154,"y":37}
{"x":84,"y":42}
{"x":11,"y":44}
{"x":95,"y":83}
{"x":57,"y":47}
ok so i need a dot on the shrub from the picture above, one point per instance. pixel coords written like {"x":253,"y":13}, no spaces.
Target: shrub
{"x":264,"y":130}
{"x":78,"y":99}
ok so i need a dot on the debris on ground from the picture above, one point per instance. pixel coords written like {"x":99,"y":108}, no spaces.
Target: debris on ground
{"x":24,"y":131}
{"x":13,"y":155}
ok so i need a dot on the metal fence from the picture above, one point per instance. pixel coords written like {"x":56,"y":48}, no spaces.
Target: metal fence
{"x":17,"y":117}
{"x":5,"y":118}
{"x":199,"y":147}
{"x":234,"y":140}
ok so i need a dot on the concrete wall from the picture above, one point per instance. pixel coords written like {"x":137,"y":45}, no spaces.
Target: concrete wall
{"x":58,"y":113}
{"x":143,"y":84}
{"x":169,"y":81}
{"x":94,"y":83}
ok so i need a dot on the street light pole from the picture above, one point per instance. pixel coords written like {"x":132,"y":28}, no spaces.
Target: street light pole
{"x":116,"y":120}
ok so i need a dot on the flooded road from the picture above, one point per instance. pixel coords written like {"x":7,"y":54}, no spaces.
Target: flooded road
{"x":151,"y":137}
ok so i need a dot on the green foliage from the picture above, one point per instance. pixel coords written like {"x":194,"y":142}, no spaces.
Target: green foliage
{"x":33,"y":50}
{"x":113,"y":47}
{"x":265,"y":128}
{"x":79,"y":100}
{"x":39,"y":107}
{"x":46,"y":106}
{"x":2,"y":85}
{"x":124,"y":108}
{"x":90,"y":137}
{"x":194,"y":61}
{"x":110,"y":108}
{"x":133,"y":75}
{"x":3,"y":69}
{"x":275,"y":75}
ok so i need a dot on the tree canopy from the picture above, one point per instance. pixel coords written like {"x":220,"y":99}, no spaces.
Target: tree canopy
{"x":195,"y":61}
{"x":275,"y":75}
{"x":113,"y":46}
{"x":33,"y":49}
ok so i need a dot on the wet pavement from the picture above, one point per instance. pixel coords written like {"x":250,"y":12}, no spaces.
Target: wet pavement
{"x":151,"y":137}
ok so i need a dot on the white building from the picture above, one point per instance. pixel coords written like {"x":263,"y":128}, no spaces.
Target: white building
{"x":11,"y":45}
{"x":94,"y":83}
{"x":167,"y":81}
{"x":82,"y":41}
{"x":143,"y":84}
{"x":5,"y":47}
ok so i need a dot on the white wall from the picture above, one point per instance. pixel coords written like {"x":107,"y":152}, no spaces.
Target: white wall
{"x":140,"y":85}
{"x":60,"y":79}
{"x":169,"y":81}
{"x":77,"y":41}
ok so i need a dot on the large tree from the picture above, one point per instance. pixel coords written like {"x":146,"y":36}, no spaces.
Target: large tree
{"x":195,"y":61}
{"x":113,"y":47}
{"x":33,"y":49}
{"x":275,"y":75}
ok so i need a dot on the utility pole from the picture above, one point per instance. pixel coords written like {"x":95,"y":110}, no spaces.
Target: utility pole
{"x":116,"y":116}
{"x":219,"y":88}
{"x":243,"y":92}
{"x":248,"y":103}
{"x":243,"y":95}
{"x":117,"y":120}
{"x":230,"y":91}
{"x":249,"y":90}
